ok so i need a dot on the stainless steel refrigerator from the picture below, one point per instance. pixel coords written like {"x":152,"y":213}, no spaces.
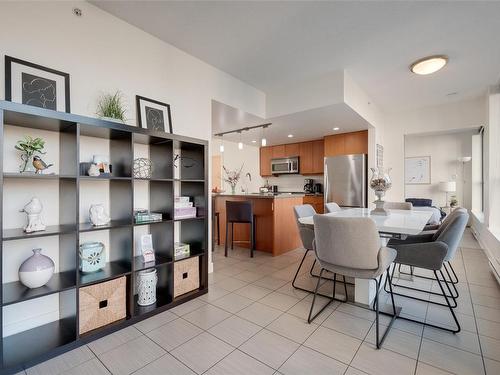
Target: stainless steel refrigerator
{"x":346,"y":180}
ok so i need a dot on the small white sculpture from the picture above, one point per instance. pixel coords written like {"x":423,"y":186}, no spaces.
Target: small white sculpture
{"x":98,"y":215}
{"x":33,"y":209}
{"x":94,"y":170}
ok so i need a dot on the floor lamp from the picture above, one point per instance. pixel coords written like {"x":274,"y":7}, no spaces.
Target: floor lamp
{"x":463,"y":160}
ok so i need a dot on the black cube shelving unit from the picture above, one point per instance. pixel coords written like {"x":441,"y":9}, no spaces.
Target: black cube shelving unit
{"x":172,"y":155}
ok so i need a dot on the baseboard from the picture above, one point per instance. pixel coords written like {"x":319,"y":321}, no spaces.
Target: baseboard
{"x":486,"y":246}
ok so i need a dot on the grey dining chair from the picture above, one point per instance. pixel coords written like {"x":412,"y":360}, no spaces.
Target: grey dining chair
{"x":332,"y":207}
{"x":431,"y":252}
{"x":307,"y":236}
{"x":427,"y":236}
{"x":351,"y":247}
{"x":398,"y":205}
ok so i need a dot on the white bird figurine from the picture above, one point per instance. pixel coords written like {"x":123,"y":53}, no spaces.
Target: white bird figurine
{"x":34,"y":209}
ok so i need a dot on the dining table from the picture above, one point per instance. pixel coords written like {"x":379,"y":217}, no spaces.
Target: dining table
{"x":396,"y":224}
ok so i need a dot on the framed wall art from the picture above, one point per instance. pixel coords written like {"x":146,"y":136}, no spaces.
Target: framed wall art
{"x":418,"y":170}
{"x":36,"y":85}
{"x":154,"y":115}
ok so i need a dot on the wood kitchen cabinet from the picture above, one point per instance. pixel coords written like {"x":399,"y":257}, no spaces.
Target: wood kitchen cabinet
{"x":347,"y":143}
{"x":279,"y":151}
{"x":292,"y":149}
{"x":266,"y":154}
{"x":318,"y":156}
{"x":306,"y":158}
{"x":317,"y":201}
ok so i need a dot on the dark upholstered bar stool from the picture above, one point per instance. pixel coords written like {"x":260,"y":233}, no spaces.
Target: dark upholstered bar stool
{"x":216,"y":229}
{"x":240,"y":212}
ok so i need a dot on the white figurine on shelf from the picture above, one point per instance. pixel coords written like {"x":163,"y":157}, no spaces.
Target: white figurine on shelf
{"x":34,"y":209}
{"x":98,"y":215}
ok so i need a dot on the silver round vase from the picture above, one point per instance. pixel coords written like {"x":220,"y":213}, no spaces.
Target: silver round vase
{"x":37,"y":270}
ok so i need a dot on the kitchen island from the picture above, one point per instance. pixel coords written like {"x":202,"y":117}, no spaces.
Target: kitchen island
{"x":276,"y":230}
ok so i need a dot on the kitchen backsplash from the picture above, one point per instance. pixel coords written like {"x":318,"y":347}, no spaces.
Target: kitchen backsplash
{"x":292,"y":183}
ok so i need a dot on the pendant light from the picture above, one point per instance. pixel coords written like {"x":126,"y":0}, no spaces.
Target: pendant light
{"x":263,"y":141}
{"x":221,"y":147}
{"x":240,"y":143}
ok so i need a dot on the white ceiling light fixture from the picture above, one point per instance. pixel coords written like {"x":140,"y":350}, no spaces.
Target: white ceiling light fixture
{"x":290,"y":135}
{"x":263,"y":141}
{"x":335,"y":128}
{"x":254,"y":141}
{"x":221,"y":147}
{"x":429,"y":64}
{"x":240,"y":143}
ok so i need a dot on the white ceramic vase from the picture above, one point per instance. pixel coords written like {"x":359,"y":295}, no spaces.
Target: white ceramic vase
{"x":146,"y":287}
{"x":37,"y":270}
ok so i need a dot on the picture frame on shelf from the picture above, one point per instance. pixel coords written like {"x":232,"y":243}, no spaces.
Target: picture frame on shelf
{"x":36,"y":85}
{"x":153,"y":115}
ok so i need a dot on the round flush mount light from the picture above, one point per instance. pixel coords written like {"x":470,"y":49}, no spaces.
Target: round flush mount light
{"x":429,"y":64}
{"x":290,"y":135}
{"x":254,"y":141}
{"x":335,"y":128}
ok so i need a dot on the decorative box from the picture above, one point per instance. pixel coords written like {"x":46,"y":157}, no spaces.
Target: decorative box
{"x":184,"y":212}
{"x":186,"y":276}
{"x":181,"y":250}
{"x":144,"y":216}
{"x":102,"y":304}
{"x":92,"y":256}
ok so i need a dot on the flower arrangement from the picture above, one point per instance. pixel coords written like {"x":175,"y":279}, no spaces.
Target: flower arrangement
{"x":232,"y":177}
{"x":29,"y":146}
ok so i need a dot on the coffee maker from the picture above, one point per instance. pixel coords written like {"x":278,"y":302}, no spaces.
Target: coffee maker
{"x":309,"y":185}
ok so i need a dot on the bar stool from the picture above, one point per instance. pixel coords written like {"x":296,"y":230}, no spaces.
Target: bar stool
{"x":240,"y":212}
{"x":216,"y":223}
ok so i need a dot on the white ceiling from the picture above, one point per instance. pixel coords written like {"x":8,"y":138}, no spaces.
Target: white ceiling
{"x":268,"y":44}
{"x":304,"y":126}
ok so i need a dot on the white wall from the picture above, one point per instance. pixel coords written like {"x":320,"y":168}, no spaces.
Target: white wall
{"x":233,"y":158}
{"x":467,"y":114}
{"x":444,"y":150}
{"x":103,"y":54}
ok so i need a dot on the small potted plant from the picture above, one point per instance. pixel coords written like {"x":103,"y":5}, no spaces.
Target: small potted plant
{"x":453,"y":202}
{"x":29,"y":147}
{"x":111,"y":107}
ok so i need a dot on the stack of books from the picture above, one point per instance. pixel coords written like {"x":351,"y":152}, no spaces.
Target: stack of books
{"x":183,"y":208}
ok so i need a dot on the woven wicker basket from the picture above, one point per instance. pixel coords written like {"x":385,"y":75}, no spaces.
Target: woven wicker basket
{"x":186,"y":276}
{"x":102,"y":304}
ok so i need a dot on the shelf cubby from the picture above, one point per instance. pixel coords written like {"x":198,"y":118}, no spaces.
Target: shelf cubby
{"x":34,"y":343}
{"x":37,"y":324}
{"x":164,"y":291}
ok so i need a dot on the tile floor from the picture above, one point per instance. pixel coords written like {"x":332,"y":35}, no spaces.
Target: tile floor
{"x":253,"y":322}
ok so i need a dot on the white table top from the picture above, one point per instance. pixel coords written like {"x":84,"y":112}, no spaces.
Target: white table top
{"x":407,"y":222}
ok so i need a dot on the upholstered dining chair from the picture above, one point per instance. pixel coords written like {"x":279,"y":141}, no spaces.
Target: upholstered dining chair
{"x":307,"y":236}
{"x":398,"y":205}
{"x":332,"y":207}
{"x":431,"y":252}
{"x":427,"y":236}
{"x":351,"y":247}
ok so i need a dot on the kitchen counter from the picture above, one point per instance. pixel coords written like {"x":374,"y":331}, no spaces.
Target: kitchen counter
{"x":276,"y":230}
{"x":260,"y":195}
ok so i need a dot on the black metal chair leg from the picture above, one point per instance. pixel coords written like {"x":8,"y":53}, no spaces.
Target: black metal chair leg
{"x":252,"y":239}
{"x":380,"y":341}
{"x":225,"y":243}
{"x":450,"y":307}
{"x":345,"y":287}
{"x":331,"y":299}
{"x":298,"y":269}
{"x":218,"y":230}
{"x":454,"y":274}
{"x":232,"y":236}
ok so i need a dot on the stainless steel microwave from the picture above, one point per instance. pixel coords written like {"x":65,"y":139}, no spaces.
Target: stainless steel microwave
{"x":285,"y":166}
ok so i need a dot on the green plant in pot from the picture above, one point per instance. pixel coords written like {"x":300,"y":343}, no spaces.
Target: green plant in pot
{"x":29,"y":147}
{"x":111,"y":107}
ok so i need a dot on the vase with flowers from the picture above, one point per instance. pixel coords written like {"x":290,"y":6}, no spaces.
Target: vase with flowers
{"x":29,"y":147}
{"x":232,"y":177}
{"x":380,"y":183}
